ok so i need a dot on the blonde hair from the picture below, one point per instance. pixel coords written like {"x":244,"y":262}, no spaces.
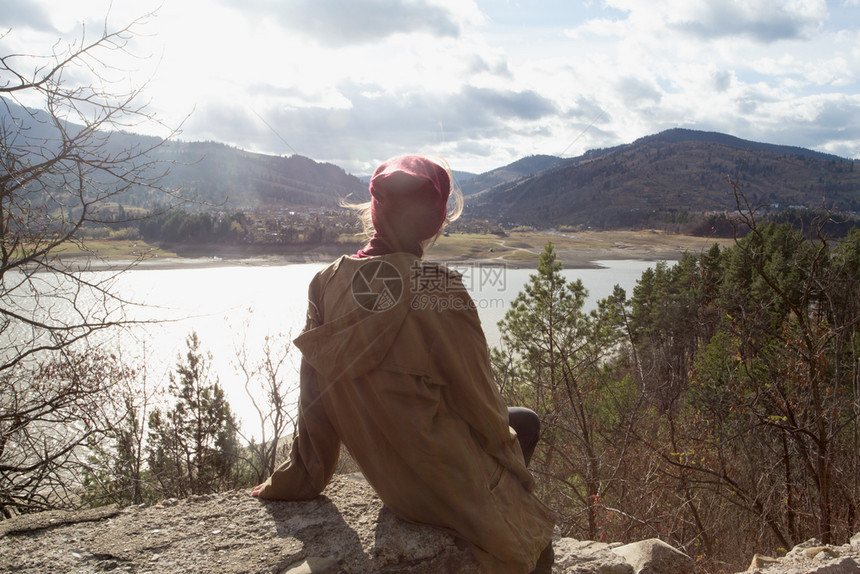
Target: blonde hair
{"x":452,"y":215}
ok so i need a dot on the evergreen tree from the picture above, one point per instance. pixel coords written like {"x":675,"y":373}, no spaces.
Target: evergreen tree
{"x":193,"y":447}
{"x":115,"y":466}
{"x":552,"y":359}
{"x":667,"y":322}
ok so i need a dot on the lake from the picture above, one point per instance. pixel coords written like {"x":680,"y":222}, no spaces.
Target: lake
{"x":237,"y":306}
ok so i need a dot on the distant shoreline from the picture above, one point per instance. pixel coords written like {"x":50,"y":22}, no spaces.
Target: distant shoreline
{"x":521,"y":250}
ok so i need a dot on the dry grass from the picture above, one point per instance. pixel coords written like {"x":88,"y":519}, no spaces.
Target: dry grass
{"x":578,"y":249}
{"x":112,"y":249}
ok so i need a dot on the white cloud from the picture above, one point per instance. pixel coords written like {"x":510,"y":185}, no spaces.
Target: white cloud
{"x":761,"y":20}
{"x":23,"y":13}
{"x":356,"y":82}
{"x":349,"y":22}
{"x":598,"y":27}
{"x":637,"y":92}
{"x":723,"y":80}
{"x":603,"y":82}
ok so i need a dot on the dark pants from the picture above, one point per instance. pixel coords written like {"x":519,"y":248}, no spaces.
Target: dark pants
{"x":527,"y":426}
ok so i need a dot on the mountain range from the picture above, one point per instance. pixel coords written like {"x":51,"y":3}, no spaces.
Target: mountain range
{"x":670,"y":176}
{"x":674,"y":174}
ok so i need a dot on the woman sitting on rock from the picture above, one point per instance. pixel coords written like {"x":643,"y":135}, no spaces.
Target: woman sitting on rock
{"x":395,"y":366}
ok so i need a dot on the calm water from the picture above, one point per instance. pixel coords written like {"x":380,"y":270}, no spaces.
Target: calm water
{"x":236,"y":307}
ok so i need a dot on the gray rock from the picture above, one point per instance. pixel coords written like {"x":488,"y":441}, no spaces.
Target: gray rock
{"x":654,"y":556}
{"x":316,"y":565}
{"x":841,"y":566}
{"x":586,"y":557}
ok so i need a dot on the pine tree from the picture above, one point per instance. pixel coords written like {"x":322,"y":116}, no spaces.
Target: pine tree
{"x":115,"y":471}
{"x":193,"y":447}
{"x":552,"y":360}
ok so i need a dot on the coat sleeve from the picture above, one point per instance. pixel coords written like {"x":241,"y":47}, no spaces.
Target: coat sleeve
{"x":316,"y":445}
{"x":314,"y":452}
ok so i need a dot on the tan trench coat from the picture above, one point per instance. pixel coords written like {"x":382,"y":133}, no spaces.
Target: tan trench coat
{"x":395,"y":365}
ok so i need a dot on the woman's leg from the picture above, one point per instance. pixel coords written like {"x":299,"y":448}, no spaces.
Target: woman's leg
{"x":527,"y":426}
{"x":526,"y":423}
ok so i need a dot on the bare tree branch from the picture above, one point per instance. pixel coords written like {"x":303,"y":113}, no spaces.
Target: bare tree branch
{"x":66,"y":169}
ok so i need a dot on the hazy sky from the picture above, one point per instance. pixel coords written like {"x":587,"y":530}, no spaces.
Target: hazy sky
{"x":479,"y":82}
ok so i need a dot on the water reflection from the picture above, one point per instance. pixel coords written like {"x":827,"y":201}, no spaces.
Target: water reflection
{"x":239,"y":305}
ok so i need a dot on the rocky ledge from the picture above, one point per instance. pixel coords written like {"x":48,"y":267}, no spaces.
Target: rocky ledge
{"x":345,"y":531}
{"x":811,"y":557}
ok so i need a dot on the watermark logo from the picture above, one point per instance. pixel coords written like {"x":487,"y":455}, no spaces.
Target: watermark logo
{"x":377,"y":286}
{"x":432,"y":302}
{"x":444,"y":288}
{"x":482,"y":278}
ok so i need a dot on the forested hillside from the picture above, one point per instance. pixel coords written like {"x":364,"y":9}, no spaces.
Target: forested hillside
{"x":678,"y":176}
{"x":226,"y":177}
{"x":523,"y":168}
{"x":211,"y":175}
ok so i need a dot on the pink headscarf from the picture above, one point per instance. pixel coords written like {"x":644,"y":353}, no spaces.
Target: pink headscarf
{"x":409,"y":202}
